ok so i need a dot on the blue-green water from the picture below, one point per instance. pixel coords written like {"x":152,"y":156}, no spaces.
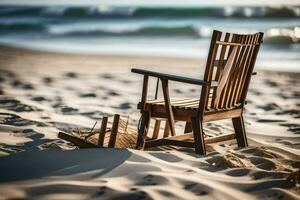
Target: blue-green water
{"x":161,"y":31}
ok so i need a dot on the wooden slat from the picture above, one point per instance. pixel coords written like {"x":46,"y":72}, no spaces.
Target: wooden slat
{"x":258,"y":39}
{"x":227,"y":53}
{"x":218,"y":115}
{"x":179,"y":141}
{"x":209,"y":71}
{"x":143,"y":130}
{"x":247,"y":68}
{"x":76,"y":140}
{"x":168,"y":105}
{"x":164,"y":141}
{"x":235,"y":43}
{"x":240,"y":132}
{"x":102,"y":131}
{"x":169,"y":76}
{"x":144,"y":93}
{"x":198,"y":136}
{"x":244,"y":70}
{"x":220,"y":68}
{"x":114,"y":131}
{"x":156,"y":89}
{"x":188,"y":127}
{"x":220,"y":138}
{"x":156,"y":128}
{"x":166,"y":130}
{"x":242,"y":66}
{"x":230,"y":78}
{"x":235,"y":74}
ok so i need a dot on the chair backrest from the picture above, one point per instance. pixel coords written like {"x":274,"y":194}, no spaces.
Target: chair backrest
{"x":230,"y":62}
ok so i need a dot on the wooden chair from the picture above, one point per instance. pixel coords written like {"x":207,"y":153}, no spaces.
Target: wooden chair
{"x":229,"y":67}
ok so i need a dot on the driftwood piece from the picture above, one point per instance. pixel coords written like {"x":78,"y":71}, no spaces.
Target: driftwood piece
{"x":114,"y":131}
{"x":102,"y":131}
{"x":76,"y":140}
{"x":121,"y":135}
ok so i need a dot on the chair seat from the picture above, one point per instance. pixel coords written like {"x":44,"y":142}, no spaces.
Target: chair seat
{"x":177,"y":103}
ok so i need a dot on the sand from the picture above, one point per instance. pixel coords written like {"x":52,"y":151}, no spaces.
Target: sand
{"x":42,"y":93}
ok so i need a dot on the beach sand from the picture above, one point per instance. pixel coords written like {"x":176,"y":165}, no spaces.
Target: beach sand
{"x":42,"y":93}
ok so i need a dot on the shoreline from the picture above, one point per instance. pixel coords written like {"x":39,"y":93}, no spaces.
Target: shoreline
{"x":154,"y":61}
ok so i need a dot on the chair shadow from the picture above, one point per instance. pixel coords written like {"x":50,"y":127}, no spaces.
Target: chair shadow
{"x":53,"y":162}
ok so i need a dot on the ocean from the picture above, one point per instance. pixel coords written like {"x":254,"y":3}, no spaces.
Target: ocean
{"x":172,"y":31}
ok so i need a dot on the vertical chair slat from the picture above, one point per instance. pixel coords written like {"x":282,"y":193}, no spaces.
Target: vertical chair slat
{"x":168,"y":105}
{"x":230,"y":81}
{"x":166,"y":130}
{"x":247,"y":63}
{"x":144,"y":92}
{"x":242,"y":70}
{"x":235,"y":74}
{"x":252,"y":63}
{"x":156,"y":128}
{"x":219,"y":69}
{"x":203,"y":104}
{"x":228,"y":90}
{"x":142,"y":132}
{"x":222,"y":95}
{"x":114,"y":131}
{"x":102,"y":131}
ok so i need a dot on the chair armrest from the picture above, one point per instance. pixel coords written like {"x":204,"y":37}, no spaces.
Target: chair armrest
{"x":169,"y":77}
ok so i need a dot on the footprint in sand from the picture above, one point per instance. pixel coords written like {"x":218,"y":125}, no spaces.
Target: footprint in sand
{"x":123,"y":106}
{"x":269,"y":174}
{"x":88,"y":95}
{"x":263,"y":163}
{"x":68,"y":110}
{"x":177,"y":91}
{"x":47,"y":80}
{"x":292,"y":112}
{"x":39,"y":98}
{"x":127,"y":82}
{"x":95,"y":115}
{"x":295,"y":128}
{"x":136,"y":194}
{"x":260,"y":152}
{"x":270,"y":106}
{"x":196,"y":188}
{"x":101,"y":191}
{"x":71,"y":75}
{"x":7,"y":73}
{"x":107,"y":76}
{"x":15,"y":120}
{"x":34,"y":144}
{"x":271,"y":83}
{"x":15,"y":105}
{"x":152,"y":180}
{"x":22,"y":85}
{"x":278,"y":194}
{"x":238,"y":172}
{"x":113,"y":93}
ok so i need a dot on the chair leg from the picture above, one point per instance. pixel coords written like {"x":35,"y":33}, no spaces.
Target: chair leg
{"x":142,"y":132}
{"x":188,"y":127}
{"x":198,"y":136}
{"x":240,"y":132}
